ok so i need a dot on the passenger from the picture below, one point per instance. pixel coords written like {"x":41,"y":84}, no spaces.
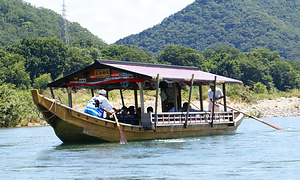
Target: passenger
{"x":185,"y":106}
{"x":149,"y":109}
{"x":131,"y":111}
{"x":124,"y":112}
{"x":171,"y":107}
{"x":219,"y":95}
{"x":138,"y":112}
{"x":100,"y":104}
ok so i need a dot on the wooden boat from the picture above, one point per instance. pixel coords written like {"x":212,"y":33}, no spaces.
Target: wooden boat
{"x":71,"y":125}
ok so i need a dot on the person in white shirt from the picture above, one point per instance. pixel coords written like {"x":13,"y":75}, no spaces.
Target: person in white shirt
{"x":100,"y":104}
{"x":219,"y":95}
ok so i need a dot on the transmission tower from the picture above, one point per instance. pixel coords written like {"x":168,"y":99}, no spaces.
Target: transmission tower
{"x":66,"y":36}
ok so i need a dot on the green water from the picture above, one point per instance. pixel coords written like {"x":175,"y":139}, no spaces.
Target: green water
{"x":256,"y":151}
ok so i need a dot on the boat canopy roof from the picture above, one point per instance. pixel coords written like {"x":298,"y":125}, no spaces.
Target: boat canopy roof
{"x":110,"y":74}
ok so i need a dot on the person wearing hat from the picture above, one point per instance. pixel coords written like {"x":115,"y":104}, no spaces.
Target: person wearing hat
{"x":219,"y":95}
{"x":100,"y":104}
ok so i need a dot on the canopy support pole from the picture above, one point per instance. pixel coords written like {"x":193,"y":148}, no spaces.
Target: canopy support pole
{"x":141,"y":97}
{"x":121,"y":94}
{"x":53,"y":97}
{"x":92,"y":91}
{"x":213,"y":105}
{"x":175,"y":97}
{"x":70,"y":97}
{"x":156,"y":100}
{"x":224,"y":98}
{"x":201,"y":97}
{"x":136,"y":104}
{"x":189,"y":102}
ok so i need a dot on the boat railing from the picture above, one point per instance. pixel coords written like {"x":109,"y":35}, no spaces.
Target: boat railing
{"x":193,"y":117}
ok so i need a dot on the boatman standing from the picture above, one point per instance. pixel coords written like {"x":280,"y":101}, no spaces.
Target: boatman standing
{"x":100,"y":104}
{"x":219,"y":95}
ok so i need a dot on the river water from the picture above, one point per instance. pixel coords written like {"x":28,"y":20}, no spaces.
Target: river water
{"x":256,"y":151}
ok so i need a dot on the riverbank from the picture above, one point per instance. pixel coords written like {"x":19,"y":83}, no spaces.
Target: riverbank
{"x":281,"y":107}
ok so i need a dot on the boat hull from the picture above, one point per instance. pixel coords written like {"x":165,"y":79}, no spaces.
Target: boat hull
{"x":72,"y":126}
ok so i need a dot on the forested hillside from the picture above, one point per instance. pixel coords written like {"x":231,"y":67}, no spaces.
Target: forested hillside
{"x":242,"y":24}
{"x":19,"y":20}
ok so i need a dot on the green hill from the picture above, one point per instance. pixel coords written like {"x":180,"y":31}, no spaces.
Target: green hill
{"x":19,"y":20}
{"x":242,"y":24}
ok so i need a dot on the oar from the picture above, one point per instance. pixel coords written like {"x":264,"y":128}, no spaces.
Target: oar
{"x":247,"y":114}
{"x":122,"y":137}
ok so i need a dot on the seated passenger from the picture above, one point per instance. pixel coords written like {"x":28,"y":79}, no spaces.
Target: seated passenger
{"x":171,"y":107}
{"x":149,"y":109}
{"x":131,"y":111}
{"x":185,"y":106}
{"x":124,"y":112}
{"x":138,"y":112}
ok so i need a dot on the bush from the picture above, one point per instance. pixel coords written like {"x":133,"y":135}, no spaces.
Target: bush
{"x":259,"y":88}
{"x":15,"y":105}
{"x":41,"y":82}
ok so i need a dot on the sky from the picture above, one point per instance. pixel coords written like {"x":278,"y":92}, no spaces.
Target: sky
{"x":112,"y":20}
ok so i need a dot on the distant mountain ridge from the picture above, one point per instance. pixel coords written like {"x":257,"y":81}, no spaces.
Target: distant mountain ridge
{"x":243,"y":24}
{"x":19,"y":19}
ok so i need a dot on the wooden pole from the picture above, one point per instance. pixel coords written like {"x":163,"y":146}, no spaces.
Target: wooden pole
{"x":141,"y":97}
{"x":51,"y":90}
{"x":247,"y":114}
{"x":214,"y":101}
{"x":70,"y":97}
{"x":92,"y":91}
{"x":121,"y":94}
{"x":136,"y":104}
{"x":122,"y":137}
{"x":156,"y":100}
{"x":224,"y":97}
{"x":175,"y":97}
{"x":201,"y":97}
{"x":189,"y":102}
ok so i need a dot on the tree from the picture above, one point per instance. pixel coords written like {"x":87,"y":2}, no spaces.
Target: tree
{"x":285,"y":77}
{"x":10,"y":109}
{"x":126,"y":53}
{"x":255,"y":71}
{"x":223,"y":61}
{"x":12,"y":70}
{"x":41,"y":82}
{"x":42,"y":55}
{"x":179,"y":55}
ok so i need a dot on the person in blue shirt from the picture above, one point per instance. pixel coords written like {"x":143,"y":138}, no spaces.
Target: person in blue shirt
{"x":100,"y":104}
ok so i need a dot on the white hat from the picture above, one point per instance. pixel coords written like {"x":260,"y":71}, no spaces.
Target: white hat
{"x":102,"y":92}
{"x":212,"y":84}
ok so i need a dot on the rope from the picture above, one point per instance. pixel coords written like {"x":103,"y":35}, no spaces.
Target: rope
{"x":48,"y":110}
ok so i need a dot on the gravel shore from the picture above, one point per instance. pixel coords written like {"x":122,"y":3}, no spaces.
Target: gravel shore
{"x":281,"y":107}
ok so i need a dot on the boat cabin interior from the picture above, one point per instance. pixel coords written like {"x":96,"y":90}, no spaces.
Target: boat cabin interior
{"x":167,"y":81}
